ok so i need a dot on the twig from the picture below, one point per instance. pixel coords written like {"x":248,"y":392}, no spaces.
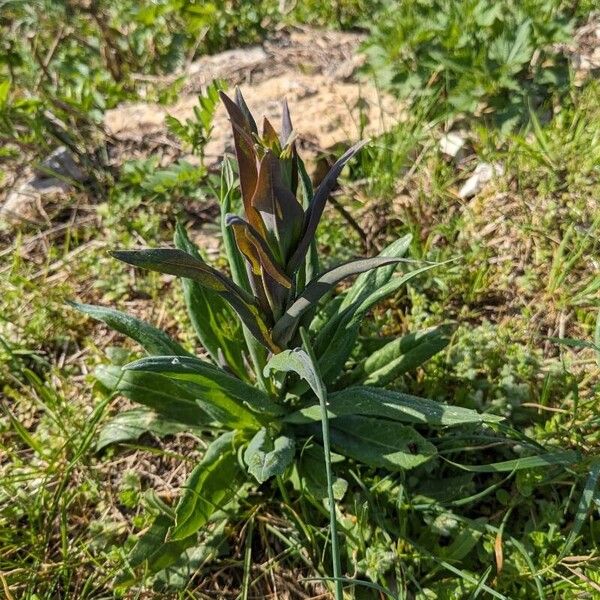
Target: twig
{"x":351,"y":220}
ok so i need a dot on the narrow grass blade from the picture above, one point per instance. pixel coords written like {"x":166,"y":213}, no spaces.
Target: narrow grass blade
{"x":587,"y":497}
{"x":568,"y":457}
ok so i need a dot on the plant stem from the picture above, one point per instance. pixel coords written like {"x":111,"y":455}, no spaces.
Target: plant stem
{"x":321,"y":393}
{"x":335,"y":550}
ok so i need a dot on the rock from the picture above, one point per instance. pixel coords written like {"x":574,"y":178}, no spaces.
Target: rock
{"x":325,"y":112}
{"x":311,"y":69}
{"x":452,"y":143}
{"x":225,"y":64}
{"x":60,"y":162}
{"x":483,"y":173}
{"x":22,"y":204}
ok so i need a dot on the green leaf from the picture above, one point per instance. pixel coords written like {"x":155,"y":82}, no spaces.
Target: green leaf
{"x":266,"y":457}
{"x":132,"y":424}
{"x":285,"y":327}
{"x":153,"y":552}
{"x":380,"y":443}
{"x":372,"y":280}
{"x":175,"y":400}
{"x":567,"y":457}
{"x":313,"y":479}
{"x":585,"y":502}
{"x":387,"y":404}
{"x":215,"y":322}
{"x":303,"y":363}
{"x":297,"y":361}
{"x":211,"y":485}
{"x":226,"y":398}
{"x":461,"y":545}
{"x":153,"y":340}
{"x":234,"y":257}
{"x":178,"y":575}
{"x":4,"y":91}
{"x":177,"y":262}
{"x":337,"y":338}
{"x":403,"y":355}
{"x":358,"y":292}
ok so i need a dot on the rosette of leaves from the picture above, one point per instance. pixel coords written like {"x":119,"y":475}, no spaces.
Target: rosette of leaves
{"x":279,"y":345}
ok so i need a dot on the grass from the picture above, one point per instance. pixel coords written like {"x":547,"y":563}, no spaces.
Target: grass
{"x":524,"y":288}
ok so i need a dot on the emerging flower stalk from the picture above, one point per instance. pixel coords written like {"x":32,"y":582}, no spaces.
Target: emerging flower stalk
{"x":275,"y":236}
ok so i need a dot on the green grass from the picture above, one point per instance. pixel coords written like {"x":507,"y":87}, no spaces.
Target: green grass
{"x":526,"y":274}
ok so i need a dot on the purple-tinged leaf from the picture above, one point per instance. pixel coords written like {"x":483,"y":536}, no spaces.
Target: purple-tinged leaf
{"x":286,"y":123}
{"x":280,"y":211}
{"x":180,"y":263}
{"x":315,"y":210}
{"x":256,"y":251}
{"x":239,"y":100}
{"x":271,"y":285}
{"x":244,"y":148}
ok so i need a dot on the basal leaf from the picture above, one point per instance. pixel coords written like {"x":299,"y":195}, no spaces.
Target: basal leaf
{"x":153,"y":552}
{"x":388,"y":404}
{"x":177,"y":576}
{"x":267,"y":457}
{"x":379,"y":443}
{"x":153,"y":340}
{"x":172,"y":399}
{"x":226,"y":398}
{"x":132,"y":424}
{"x":311,"y":469}
{"x":402,"y":355}
{"x":211,"y":485}
{"x":560,"y":457}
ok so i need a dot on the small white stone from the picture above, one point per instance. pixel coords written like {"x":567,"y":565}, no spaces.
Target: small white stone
{"x":483,"y":173}
{"x":451,"y":143}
